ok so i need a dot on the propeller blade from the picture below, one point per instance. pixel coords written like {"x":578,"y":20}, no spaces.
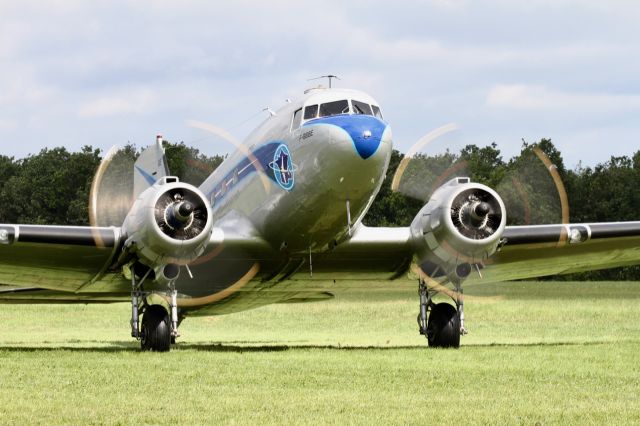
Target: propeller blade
{"x":416,"y":149}
{"x":216,"y":297}
{"x":111,"y":194}
{"x":533,"y":191}
{"x":531,"y":186}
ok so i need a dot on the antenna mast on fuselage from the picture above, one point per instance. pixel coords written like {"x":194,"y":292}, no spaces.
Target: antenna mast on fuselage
{"x":330,"y":76}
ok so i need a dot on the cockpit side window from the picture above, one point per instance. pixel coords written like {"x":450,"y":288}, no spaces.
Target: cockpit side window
{"x":361,"y":108}
{"x":310,"y":112}
{"x":297,"y":119}
{"x":376,"y":111}
{"x":334,"y":108}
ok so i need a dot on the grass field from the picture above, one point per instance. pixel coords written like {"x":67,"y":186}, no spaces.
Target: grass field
{"x":537,"y":353}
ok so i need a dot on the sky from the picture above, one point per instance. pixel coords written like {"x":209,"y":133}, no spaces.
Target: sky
{"x":105,"y":73}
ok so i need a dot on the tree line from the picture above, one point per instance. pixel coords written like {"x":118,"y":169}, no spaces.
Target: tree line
{"x":53,"y":186}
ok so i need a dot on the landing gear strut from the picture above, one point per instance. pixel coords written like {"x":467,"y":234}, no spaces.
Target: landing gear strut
{"x":159,"y":328}
{"x":173,"y":303}
{"x":137,"y":298}
{"x":441,"y":323}
{"x":425,"y":306}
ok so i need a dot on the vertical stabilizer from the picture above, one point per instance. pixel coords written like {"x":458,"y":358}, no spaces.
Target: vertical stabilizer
{"x":150,"y":166}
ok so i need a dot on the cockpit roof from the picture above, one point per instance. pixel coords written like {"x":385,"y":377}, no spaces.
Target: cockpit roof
{"x":323,"y":95}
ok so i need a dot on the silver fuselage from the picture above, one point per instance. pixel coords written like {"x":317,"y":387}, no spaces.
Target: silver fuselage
{"x":329,"y":175}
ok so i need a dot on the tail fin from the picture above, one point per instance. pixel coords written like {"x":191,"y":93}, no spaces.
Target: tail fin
{"x":150,"y":166}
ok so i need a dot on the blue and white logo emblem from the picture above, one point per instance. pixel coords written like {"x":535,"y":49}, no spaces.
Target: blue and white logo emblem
{"x":283,"y":168}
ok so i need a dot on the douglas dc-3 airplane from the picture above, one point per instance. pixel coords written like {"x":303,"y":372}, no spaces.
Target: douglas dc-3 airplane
{"x":281,"y":220}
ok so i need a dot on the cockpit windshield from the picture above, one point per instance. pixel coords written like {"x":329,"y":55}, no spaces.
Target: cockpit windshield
{"x":361,"y":108}
{"x":376,"y":112}
{"x":334,"y":108}
{"x":310,"y":112}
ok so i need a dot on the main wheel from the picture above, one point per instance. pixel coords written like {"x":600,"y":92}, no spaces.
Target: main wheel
{"x":443,"y":328}
{"x":156,"y":331}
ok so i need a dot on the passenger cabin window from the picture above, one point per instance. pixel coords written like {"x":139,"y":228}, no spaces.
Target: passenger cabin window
{"x":334,"y":108}
{"x":297,"y":119}
{"x":310,"y":112}
{"x":376,"y":111}
{"x":361,"y":108}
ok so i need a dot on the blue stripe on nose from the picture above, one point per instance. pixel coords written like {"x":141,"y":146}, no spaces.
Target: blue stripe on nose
{"x":365,"y":131}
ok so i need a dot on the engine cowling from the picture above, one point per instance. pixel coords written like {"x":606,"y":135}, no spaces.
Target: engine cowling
{"x":170,"y":223}
{"x":461,"y":225}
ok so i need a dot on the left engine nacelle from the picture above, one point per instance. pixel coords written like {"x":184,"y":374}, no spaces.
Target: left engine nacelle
{"x":170,"y":223}
{"x":461,"y":225}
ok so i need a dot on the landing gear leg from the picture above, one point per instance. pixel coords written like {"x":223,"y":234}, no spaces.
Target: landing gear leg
{"x":439,"y":322}
{"x":460,"y":307}
{"x":155,"y":332}
{"x":136,"y":299}
{"x":425,"y":305}
{"x":160,"y":324}
{"x":135,"y":319}
{"x":173,"y":293}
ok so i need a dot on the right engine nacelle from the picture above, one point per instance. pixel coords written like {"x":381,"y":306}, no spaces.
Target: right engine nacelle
{"x":461,"y":225}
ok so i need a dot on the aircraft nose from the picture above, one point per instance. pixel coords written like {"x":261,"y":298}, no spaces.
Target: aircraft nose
{"x":365,"y":132}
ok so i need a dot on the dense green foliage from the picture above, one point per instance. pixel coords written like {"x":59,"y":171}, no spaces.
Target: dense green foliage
{"x":53,"y":186}
{"x":49,"y":188}
{"x":537,"y":353}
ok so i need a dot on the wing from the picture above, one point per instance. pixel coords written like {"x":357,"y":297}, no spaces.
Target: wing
{"x":62,"y":264}
{"x":69,"y":258}
{"x":527,"y":252}
{"x":64,"y":258}
{"x":535,"y":251}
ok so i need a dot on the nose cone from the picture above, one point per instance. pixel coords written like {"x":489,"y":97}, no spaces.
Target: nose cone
{"x":365,"y":131}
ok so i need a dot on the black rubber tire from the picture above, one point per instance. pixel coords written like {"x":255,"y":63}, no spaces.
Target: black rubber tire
{"x":156,"y":331}
{"x":443,"y":327}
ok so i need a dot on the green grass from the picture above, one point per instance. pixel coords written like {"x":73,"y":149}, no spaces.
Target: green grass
{"x":539,"y":352}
